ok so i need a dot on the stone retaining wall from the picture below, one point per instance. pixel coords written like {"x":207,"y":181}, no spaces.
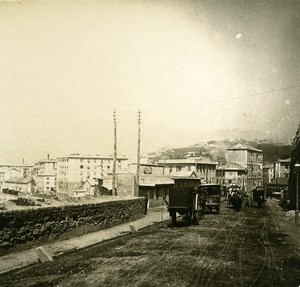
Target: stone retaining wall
{"x":19,"y":227}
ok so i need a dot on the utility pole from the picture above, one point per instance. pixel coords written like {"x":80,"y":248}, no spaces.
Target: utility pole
{"x":114,"y":191}
{"x":138,"y":155}
{"x":297,"y":170}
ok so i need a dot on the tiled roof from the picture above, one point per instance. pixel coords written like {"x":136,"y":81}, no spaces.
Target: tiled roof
{"x":152,"y":180}
{"x":240,"y":146}
{"x":23,"y":180}
{"x":231,"y":166}
{"x":189,"y":160}
{"x":108,"y":186}
{"x":90,"y":181}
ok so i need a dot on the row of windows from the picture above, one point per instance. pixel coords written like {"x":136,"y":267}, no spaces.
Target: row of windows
{"x":107,"y":167}
{"x":97,"y":160}
{"x":189,"y":168}
{"x":88,"y":173}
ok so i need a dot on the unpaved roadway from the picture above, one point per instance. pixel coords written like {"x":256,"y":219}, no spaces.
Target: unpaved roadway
{"x":254,"y":247}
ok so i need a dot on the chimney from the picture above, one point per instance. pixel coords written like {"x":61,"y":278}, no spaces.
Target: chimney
{"x":48,"y":156}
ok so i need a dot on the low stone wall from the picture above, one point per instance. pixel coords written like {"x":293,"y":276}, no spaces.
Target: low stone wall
{"x":33,"y":226}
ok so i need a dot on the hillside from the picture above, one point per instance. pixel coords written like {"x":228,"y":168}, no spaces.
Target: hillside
{"x":216,"y":150}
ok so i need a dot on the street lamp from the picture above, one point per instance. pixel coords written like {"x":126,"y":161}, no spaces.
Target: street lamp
{"x":297,"y":170}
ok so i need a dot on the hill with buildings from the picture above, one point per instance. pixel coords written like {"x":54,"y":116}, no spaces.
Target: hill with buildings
{"x":216,"y":150}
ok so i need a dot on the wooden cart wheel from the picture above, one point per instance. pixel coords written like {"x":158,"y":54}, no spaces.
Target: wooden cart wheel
{"x":173,"y":215}
{"x":196,"y":218}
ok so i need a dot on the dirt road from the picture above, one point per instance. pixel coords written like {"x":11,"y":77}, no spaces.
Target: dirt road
{"x":254,"y":247}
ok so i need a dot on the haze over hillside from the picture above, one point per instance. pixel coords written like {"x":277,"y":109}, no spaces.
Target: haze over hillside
{"x":216,"y":149}
{"x":248,"y":135}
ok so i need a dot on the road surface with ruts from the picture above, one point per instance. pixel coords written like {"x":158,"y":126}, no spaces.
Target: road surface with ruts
{"x":253,"y":247}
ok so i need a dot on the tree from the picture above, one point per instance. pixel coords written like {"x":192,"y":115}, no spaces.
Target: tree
{"x":293,"y":177}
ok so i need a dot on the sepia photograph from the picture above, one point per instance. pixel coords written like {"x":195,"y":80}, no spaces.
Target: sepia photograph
{"x":150,"y":143}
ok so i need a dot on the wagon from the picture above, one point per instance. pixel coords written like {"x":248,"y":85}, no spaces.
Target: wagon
{"x":187,"y":202}
{"x":258,"y":196}
{"x":212,"y":194}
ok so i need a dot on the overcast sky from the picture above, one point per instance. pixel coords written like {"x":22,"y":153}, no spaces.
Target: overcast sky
{"x":191,"y":67}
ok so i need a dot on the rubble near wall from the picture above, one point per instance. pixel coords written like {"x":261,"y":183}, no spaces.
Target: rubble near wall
{"x":36,"y":225}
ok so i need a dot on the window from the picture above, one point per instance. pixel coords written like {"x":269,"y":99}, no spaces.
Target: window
{"x":178,"y":168}
{"x":81,"y":166}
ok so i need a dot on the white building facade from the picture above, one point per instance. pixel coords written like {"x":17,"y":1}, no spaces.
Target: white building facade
{"x":204,"y":169}
{"x":75,"y":169}
{"x":46,"y":179}
{"x":251,"y":159}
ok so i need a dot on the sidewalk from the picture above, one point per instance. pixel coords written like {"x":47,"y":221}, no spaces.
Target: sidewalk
{"x":21,"y":259}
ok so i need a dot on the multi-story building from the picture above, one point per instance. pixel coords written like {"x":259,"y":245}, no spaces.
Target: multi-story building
{"x":203,"y":168}
{"x":231,"y":174}
{"x":46,"y":181}
{"x":280,"y":178}
{"x":251,"y":159}
{"x":75,"y":169}
{"x":282,"y":168}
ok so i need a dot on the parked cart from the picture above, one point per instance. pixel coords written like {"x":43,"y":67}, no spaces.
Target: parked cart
{"x":258,"y":196}
{"x":187,"y":202}
{"x":212,"y":194}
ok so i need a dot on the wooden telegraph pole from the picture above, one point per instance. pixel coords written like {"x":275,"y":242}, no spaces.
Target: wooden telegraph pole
{"x":138,"y":155}
{"x":114,"y":191}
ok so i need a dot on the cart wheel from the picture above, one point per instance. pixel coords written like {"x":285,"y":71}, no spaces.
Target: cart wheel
{"x":188,"y":218}
{"x":196,"y":218}
{"x":173,"y":215}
